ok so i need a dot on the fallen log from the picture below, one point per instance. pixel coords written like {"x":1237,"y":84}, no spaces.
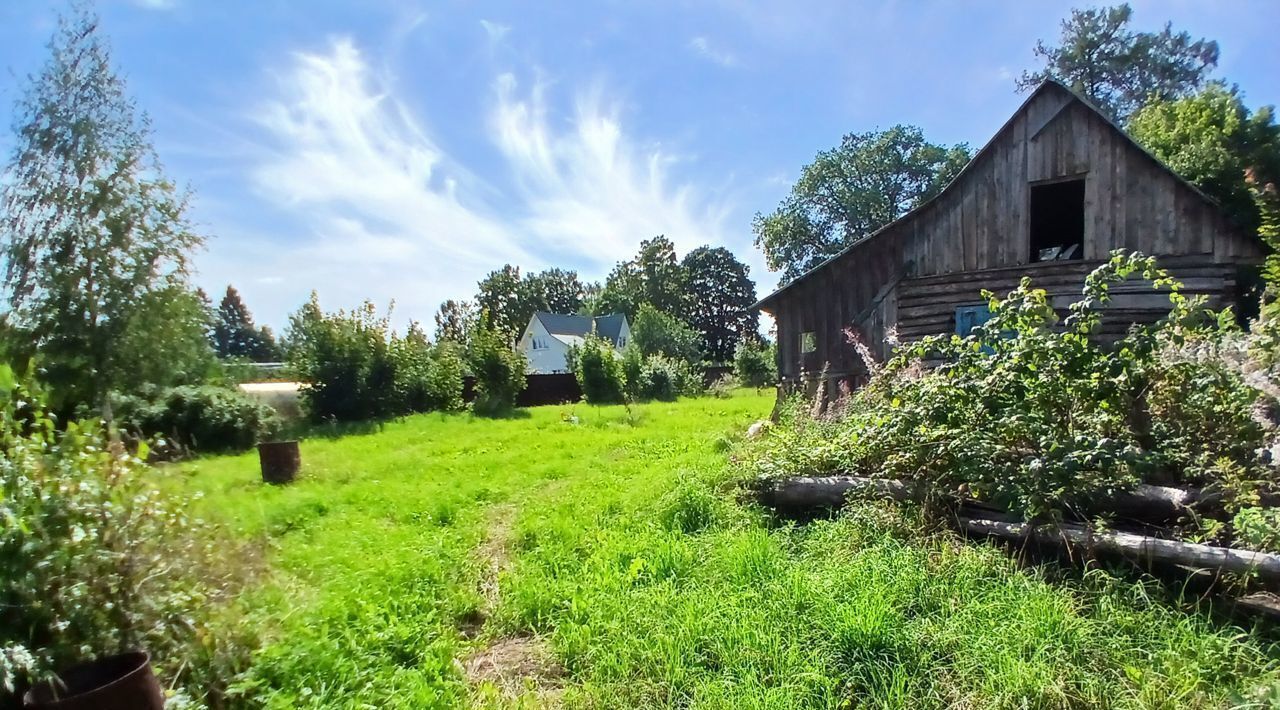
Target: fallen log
{"x":825,"y":492}
{"x":1139,"y":548}
{"x":805,"y":493}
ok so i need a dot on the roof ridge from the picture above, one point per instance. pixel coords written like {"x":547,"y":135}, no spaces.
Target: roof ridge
{"x":914,"y":211}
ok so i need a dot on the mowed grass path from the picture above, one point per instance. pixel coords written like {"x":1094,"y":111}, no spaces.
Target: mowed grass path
{"x":609,"y":538}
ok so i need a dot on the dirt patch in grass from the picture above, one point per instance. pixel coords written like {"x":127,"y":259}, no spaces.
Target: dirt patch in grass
{"x":514,"y":666}
{"x":494,"y":555}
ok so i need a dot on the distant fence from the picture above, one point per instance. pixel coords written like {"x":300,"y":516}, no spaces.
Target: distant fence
{"x":559,"y":388}
{"x":562,"y":387}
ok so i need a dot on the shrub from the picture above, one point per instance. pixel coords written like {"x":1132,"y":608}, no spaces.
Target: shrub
{"x":600,"y":372}
{"x":657,"y":333}
{"x":354,"y":367}
{"x":444,"y":380}
{"x":632,"y":366}
{"x":1038,"y":417}
{"x":660,"y":378}
{"x":205,"y":418}
{"x":96,"y":561}
{"x":499,"y":371}
{"x":344,"y":362}
{"x":755,"y":364}
{"x":723,"y":387}
{"x":427,"y":378}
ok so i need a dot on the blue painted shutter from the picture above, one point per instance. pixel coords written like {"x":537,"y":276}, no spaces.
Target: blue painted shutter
{"x":969,"y":317}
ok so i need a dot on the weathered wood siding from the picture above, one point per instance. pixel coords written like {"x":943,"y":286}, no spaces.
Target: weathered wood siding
{"x":911,"y":276}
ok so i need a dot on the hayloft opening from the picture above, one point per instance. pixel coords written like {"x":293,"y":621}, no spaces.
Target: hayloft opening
{"x":1057,"y":221}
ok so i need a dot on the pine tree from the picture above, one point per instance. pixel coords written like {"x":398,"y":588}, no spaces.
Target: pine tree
{"x":91,"y":226}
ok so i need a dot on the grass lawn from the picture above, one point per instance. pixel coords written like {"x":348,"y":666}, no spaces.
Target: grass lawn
{"x":591,"y":557}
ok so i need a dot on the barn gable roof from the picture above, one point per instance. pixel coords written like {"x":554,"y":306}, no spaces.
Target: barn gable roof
{"x":1047,"y":85}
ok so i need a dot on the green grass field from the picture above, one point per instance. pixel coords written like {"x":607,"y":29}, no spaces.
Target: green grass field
{"x":594,"y":557}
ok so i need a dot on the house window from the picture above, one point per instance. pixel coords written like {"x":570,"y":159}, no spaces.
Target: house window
{"x":1057,"y":221}
{"x":622,"y":341}
{"x":808,"y":342}
{"x":539,"y":343}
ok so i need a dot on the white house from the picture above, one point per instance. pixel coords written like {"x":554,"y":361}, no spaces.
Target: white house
{"x":547,"y":338}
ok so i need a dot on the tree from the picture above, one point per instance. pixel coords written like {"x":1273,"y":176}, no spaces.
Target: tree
{"x":1119,"y":69}
{"x":454,"y":321}
{"x":554,"y":290}
{"x":656,"y":333}
{"x":236,"y":336}
{"x":852,"y":190}
{"x":498,"y":296}
{"x":720,"y":296}
{"x":92,"y":228}
{"x":1213,"y":140}
{"x":165,"y":342}
{"x":653,"y":277}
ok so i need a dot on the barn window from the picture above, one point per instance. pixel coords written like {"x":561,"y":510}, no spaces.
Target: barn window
{"x":808,"y":342}
{"x":1057,"y":221}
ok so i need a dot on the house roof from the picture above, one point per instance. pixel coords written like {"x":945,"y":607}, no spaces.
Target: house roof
{"x":610,"y":326}
{"x":572,"y":328}
{"x":918,"y":209}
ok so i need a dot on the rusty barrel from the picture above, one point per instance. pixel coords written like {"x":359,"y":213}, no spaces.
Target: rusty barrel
{"x":280,"y":461}
{"x":120,"y":682}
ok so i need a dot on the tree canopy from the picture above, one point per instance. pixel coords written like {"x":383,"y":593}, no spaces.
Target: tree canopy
{"x":92,"y":227}
{"x":656,"y":333}
{"x":653,"y":277}
{"x":852,"y":190}
{"x":236,"y":336}
{"x":511,"y":299}
{"x":1099,"y":56}
{"x":719,"y":298}
{"x":455,"y":320}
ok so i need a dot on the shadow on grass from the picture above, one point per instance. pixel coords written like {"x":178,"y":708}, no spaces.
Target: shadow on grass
{"x":304,"y":429}
{"x":502,"y":414}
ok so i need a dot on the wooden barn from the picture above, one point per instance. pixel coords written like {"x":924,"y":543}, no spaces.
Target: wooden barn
{"x":1050,"y":196}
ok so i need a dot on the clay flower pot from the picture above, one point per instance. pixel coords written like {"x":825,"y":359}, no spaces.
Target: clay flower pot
{"x":120,"y":682}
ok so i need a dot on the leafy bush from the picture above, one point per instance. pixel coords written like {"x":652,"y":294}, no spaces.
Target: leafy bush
{"x":427,"y":378}
{"x":96,"y":561}
{"x":723,"y":387}
{"x":1039,"y":418}
{"x":444,"y":379}
{"x":344,"y":363}
{"x":755,"y":364}
{"x":204,"y":418}
{"x":657,"y":333}
{"x":354,"y":367}
{"x":600,"y":372}
{"x":632,"y":366}
{"x":499,"y":371}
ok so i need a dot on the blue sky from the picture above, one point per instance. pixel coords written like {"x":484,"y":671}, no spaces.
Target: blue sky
{"x":393,"y":149}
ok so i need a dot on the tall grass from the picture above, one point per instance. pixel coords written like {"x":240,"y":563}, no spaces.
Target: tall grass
{"x":653,"y":588}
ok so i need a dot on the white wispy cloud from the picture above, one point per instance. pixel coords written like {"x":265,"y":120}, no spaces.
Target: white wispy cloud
{"x":156,"y":4}
{"x":388,"y":213}
{"x":592,"y":190}
{"x":377,"y":198}
{"x":703,"y":48}
{"x":494,"y":30}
